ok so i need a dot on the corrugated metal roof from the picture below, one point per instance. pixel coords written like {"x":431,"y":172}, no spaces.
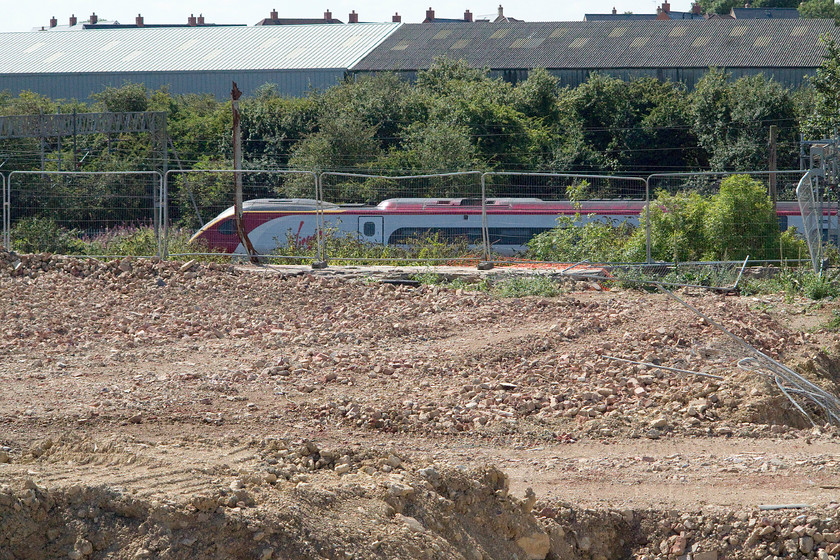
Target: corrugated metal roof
{"x":281,"y":47}
{"x":782,"y":43}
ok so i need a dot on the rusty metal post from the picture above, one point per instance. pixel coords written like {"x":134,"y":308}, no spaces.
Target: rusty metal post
{"x":235,"y":94}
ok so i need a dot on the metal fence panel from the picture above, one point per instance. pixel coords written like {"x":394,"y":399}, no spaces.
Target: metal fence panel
{"x":6,"y":244}
{"x":519,"y":206}
{"x":428,"y":218}
{"x":280,"y":212}
{"x":91,"y":213}
{"x":751,"y":233}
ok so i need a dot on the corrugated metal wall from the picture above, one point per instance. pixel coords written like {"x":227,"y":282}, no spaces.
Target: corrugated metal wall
{"x":294,"y":83}
{"x":788,"y":77}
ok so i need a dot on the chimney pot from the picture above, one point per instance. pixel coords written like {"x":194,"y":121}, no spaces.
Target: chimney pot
{"x":430,"y":14}
{"x":53,"y":22}
{"x":468,"y":16}
{"x":274,"y":14}
{"x":396,"y":18}
{"x":328,"y":16}
{"x":94,"y":18}
{"x":353,"y":17}
{"x":139,"y":20}
{"x":73,"y":20}
{"x":614,"y":10}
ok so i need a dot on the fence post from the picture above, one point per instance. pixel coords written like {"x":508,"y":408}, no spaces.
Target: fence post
{"x":164,"y":196}
{"x":6,"y":218}
{"x":485,"y":234}
{"x":321,"y":257}
{"x":647,"y":220}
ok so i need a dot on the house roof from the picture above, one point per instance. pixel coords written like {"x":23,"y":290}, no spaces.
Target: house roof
{"x":765,"y":13}
{"x":606,"y":44}
{"x":272,"y":47}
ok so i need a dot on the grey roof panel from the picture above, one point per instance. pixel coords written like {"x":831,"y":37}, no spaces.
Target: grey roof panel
{"x":596,"y":44}
{"x":280,"y":47}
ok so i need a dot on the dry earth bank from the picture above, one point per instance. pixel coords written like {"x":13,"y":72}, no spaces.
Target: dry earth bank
{"x":179,"y":410}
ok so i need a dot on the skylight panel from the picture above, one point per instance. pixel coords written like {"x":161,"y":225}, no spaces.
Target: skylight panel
{"x":53,"y":57}
{"x":34,"y":48}
{"x":500,"y":34}
{"x":351,"y":41}
{"x":639,"y":42}
{"x":678,"y":31}
{"x":188,"y":45}
{"x":109,"y":46}
{"x":133,"y":56}
{"x":212,"y":54}
{"x":442,"y":34}
{"x":579,"y":43}
{"x":739,"y":31}
{"x":296,"y":53}
{"x":618,"y":32}
{"x":270,"y":42}
{"x":559,"y":32}
{"x":460,"y":44}
{"x":700,"y":42}
{"x":798,"y":31}
{"x":763,"y":41}
{"x":401,"y":46}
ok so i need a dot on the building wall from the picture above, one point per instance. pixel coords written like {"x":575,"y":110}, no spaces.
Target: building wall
{"x":788,"y":77}
{"x":293,"y":83}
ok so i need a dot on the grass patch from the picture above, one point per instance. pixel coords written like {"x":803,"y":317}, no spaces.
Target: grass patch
{"x":527,"y":286}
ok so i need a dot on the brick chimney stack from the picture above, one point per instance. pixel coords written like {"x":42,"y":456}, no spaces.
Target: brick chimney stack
{"x":468,"y":16}
{"x":53,"y":22}
{"x":200,"y":20}
{"x":328,"y":16}
{"x":138,"y":21}
{"x":191,"y":20}
{"x":93,"y":18}
{"x":696,"y":9}
{"x":666,"y":7}
{"x":353,"y":17}
{"x":614,"y":10}
{"x":396,"y":18}
{"x":274,"y":14}
{"x":73,"y":20}
{"x":430,"y":14}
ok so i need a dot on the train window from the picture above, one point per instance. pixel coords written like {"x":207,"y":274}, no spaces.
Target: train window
{"x":227,"y":227}
{"x":369,"y":229}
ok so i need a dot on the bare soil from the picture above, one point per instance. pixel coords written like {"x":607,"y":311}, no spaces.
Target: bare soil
{"x":182,"y":410}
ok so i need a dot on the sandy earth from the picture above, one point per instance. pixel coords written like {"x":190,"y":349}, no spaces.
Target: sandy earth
{"x":158,"y":409}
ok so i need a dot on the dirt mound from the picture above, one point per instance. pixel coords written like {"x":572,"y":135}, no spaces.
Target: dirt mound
{"x":78,"y":498}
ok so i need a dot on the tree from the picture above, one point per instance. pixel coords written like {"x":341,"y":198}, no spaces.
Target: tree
{"x":824,"y":114}
{"x":819,"y":9}
{"x":130,"y":97}
{"x":732,"y":120}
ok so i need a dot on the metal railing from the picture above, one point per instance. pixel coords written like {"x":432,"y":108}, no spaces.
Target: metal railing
{"x":95,"y":203}
{"x":94,"y":208}
{"x":195,"y":197}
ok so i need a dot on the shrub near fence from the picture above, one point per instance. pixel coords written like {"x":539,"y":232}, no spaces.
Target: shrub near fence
{"x":63,"y":211}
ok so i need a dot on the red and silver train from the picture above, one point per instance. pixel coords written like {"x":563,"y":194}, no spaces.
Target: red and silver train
{"x":511,"y":222}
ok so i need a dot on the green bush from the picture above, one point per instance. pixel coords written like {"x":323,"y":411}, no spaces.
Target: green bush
{"x":527,"y":286}
{"x":43,"y":235}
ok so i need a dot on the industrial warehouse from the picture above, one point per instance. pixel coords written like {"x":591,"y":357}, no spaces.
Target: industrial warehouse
{"x":301,"y":55}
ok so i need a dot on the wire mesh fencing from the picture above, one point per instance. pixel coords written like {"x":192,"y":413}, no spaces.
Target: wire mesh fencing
{"x":280,"y":212}
{"x":521,"y":208}
{"x":84,"y":213}
{"x":716,"y":216}
{"x":435,"y":218}
{"x":6,"y":241}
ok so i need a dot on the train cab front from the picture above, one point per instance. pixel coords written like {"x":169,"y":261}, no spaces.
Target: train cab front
{"x":219,"y":234}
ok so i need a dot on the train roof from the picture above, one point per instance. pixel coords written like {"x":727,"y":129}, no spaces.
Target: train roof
{"x":393,"y":203}
{"x":287,"y":204}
